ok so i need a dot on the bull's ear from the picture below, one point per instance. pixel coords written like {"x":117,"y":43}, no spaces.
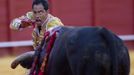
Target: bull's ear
{"x":27,"y":63}
{"x":25,"y":60}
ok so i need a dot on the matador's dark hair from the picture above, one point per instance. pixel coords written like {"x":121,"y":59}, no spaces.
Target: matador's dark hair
{"x":43,"y":2}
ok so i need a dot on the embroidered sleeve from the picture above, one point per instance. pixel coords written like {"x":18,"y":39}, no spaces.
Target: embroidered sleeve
{"x":22,"y":22}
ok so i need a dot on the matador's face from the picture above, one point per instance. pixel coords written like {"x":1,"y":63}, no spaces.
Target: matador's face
{"x":39,"y":14}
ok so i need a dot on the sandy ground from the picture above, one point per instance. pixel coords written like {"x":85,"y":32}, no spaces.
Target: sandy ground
{"x":6,"y":70}
{"x":132,"y":62}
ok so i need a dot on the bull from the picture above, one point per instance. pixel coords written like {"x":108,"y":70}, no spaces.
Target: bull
{"x":84,"y":51}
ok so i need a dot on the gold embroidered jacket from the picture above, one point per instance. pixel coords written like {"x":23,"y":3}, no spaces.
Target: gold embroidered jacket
{"x":37,"y":35}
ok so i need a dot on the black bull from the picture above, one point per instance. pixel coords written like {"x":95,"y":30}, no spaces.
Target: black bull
{"x":88,"y":51}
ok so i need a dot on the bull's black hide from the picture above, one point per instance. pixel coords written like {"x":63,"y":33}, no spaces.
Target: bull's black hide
{"x":88,"y":51}
{"x":84,"y":51}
